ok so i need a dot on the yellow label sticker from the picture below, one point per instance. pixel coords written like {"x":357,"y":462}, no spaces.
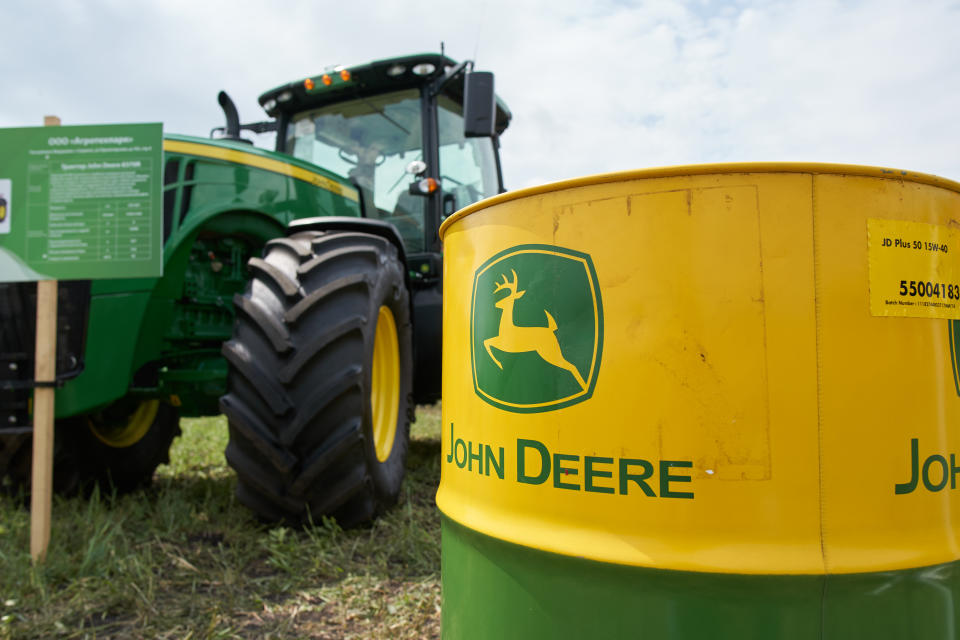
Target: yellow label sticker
{"x":914,"y":269}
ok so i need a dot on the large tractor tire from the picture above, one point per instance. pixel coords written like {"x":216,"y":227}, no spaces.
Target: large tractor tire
{"x":320,"y":379}
{"x":117,"y":449}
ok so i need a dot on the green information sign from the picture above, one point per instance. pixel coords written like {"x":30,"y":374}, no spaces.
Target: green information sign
{"x":81,"y":202}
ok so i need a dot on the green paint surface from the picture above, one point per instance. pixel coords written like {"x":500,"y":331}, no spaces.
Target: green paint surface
{"x":547,"y":280}
{"x":494,"y":589}
{"x":954,"y":352}
{"x":176,"y":324}
{"x":113,"y":330}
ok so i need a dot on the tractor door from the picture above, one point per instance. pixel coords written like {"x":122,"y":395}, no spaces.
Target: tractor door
{"x":468,"y":166}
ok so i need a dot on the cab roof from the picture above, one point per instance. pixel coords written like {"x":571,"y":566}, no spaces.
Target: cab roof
{"x":380,"y":76}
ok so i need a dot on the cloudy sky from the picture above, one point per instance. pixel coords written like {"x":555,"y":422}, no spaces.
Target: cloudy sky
{"x":594,"y":86}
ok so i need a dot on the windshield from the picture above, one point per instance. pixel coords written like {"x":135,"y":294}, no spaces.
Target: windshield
{"x":371,"y":141}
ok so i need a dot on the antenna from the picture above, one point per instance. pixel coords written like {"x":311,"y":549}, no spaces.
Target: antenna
{"x":483,"y":16}
{"x":441,"y":48}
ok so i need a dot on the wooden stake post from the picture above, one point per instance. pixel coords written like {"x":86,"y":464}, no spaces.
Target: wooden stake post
{"x":45,"y":373}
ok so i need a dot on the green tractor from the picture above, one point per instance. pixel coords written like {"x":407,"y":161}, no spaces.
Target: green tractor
{"x":301,"y":297}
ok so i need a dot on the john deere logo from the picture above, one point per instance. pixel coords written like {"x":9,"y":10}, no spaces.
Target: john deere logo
{"x":536,"y":328}
{"x":954,"y":329}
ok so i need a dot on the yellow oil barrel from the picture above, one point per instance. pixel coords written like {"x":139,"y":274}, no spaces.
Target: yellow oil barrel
{"x":709,"y":401}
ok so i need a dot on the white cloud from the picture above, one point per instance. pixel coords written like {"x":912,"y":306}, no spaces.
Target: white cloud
{"x":594,"y":87}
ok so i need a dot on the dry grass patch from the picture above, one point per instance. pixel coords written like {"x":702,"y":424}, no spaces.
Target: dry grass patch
{"x":184,"y":560}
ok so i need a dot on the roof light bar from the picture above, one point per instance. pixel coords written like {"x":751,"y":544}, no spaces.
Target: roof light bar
{"x":424,"y":69}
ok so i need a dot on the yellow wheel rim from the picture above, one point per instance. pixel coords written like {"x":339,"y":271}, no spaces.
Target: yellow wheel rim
{"x":385,"y":383}
{"x":127,"y":432}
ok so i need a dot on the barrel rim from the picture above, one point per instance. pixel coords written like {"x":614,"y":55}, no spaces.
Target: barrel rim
{"x":704,"y":169}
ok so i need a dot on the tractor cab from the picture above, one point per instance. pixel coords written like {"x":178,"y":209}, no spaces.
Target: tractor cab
{"x":417,"y":136}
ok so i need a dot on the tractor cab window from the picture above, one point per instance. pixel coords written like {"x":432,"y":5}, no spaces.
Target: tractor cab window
{"x":468,"y":166}
{"x":371,"y":141}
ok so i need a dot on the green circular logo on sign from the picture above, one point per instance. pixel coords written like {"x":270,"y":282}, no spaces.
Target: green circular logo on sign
{"x":536,"y":328}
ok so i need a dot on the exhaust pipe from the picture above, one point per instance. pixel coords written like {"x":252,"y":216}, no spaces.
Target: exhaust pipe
{"x":232,"y":130}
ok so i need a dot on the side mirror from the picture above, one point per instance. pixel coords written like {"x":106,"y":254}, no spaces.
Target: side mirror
{"x":479,"y":105}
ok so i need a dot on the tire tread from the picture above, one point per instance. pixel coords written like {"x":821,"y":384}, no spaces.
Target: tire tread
{"x":297,"y":387}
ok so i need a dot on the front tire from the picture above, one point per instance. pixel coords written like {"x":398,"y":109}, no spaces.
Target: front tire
{"x":123,"y":445}
{"x":320,"y":377}
{"x":117,"y":449}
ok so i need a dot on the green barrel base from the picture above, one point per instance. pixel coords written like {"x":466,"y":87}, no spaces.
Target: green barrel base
{"x":497,"y":590}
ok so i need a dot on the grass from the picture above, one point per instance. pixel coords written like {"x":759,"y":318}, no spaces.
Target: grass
{"x":185,"y":560}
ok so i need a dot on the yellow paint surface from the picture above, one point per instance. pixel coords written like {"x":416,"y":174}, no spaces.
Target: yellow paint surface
{"x":739,"y":338}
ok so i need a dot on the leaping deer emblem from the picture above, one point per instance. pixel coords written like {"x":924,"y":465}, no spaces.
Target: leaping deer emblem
{"x":514,"y":339}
